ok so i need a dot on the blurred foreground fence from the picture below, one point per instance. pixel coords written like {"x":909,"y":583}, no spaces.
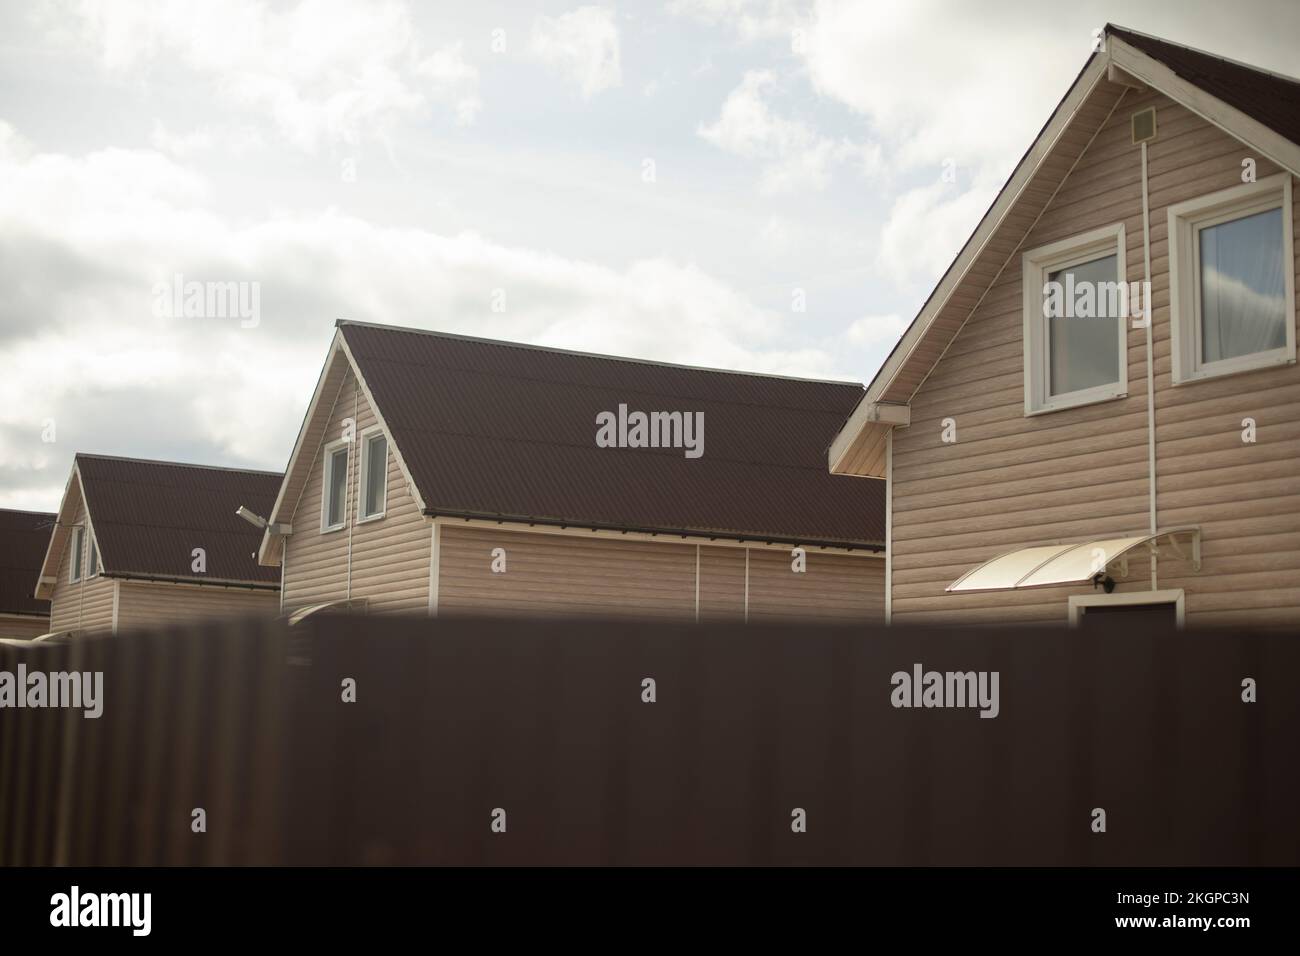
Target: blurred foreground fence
{"x":543,"y":727}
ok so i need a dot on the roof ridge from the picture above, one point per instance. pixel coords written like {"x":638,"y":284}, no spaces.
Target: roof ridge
{"x":505,"y":343}
{"x":179,"y":464}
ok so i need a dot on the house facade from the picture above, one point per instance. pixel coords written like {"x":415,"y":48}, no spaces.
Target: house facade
{"x":440,"y":474}
{"x":140,"y":544}
{"x":1054,"y":466}
{"x":24,"y":535}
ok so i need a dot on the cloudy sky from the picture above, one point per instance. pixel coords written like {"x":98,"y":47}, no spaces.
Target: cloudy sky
{"x":752,"y":184}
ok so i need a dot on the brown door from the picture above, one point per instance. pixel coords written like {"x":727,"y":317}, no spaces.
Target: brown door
{"x":1163,"y":616}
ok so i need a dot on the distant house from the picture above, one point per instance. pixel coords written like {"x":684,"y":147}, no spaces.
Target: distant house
{"x":1045,"y":465}
{"x":23,"y":538}
{"x":439,"y":474}
{"x":148,"y":543}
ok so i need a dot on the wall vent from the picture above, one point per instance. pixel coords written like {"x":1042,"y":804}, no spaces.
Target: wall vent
{"x":1144,"y":125}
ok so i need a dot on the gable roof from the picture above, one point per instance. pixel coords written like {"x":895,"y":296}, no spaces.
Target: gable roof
{"x":148,"y":517}
{"x":506,"y":431}
{"x":1260,"y":108}
{"x":25,"y":535}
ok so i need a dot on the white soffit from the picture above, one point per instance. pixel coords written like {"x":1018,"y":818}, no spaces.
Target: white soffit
{"x":1066,"y":563}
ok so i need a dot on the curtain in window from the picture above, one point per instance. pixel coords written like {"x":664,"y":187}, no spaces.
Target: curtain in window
{"x":1243,"y":296}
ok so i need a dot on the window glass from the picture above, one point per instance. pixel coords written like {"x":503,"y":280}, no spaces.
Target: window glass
{"x":1083,"y":349}
{"x":338,"y":476}
{"x":1242,"y":287}
{"x":92,"y":564}
{"x":77,"y":542}
{"x":376,"y":474}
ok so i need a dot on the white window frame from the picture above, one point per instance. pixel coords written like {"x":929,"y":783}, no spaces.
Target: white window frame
{"x":366,"y":435}
{"x":76,"y":560}
{"x":1186,"y":219}
{"x":1079,"y":602}
{"x":327,"y":473}
{"x":1036,"y":265}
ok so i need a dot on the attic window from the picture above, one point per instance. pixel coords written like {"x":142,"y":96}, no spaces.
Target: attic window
{"x":334,"y":488}
{"x":78,"y":544}
{"x":92,"y":559}
{"x":1075,"y":338}
{"x":374,"y":474}
{"x":1232,"y":285}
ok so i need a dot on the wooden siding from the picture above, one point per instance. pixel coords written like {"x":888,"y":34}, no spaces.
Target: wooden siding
{"x":22,"y":627}
{"x":389,"y":561}
{"x":1011,"y":481}
{"x":574,"y":574}
{"x":145,"y":604}
{"x":85,"y":605}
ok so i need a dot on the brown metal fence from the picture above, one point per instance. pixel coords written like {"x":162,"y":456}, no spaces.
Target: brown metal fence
{"x":456,"y":719}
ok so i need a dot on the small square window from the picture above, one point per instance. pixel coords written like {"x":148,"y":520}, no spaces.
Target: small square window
{"x":1232,"y":281}
{"x":374,"y":474}
{"x":1076,"y":308}
{"x":335,"y":487}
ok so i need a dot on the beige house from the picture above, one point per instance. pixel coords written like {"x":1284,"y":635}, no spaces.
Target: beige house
{"x":152,"y":543}
{"x":441,"y":474}
{"x":1049,"y":459}
{"x":23,"y":537}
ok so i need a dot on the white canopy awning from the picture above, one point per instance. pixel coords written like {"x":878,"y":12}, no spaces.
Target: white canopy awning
{"x":1069,"y":563}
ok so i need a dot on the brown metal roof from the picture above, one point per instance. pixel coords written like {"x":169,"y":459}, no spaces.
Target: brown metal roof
{"x":24,"y":536}
{"x":1266,"y":97}
{"x":149,"y":516}
{"x":502,"y":430}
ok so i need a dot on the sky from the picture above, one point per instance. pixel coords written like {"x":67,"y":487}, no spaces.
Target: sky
{"x":760,"y":185}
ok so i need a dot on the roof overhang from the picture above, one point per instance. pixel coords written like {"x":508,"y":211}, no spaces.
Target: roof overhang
{"x":859,"y":448}
{"x":1123,"y":66}
{"x":1080,"y":563}
{"x":59,"y":534}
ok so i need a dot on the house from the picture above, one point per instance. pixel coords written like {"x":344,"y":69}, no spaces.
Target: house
{"x":151,"y":543}
{"x":1054,"y":459}
{"x":443,"y":474}
{"x":23,"y":537}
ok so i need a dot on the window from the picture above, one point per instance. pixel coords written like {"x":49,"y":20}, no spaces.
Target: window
{"x":374,"y":474}
{"x":1076,"y":304}
{"x":1232,"y":280}
{"x":78,"y":542}
{"x":92,"y":560}
{"x":334,"y":498}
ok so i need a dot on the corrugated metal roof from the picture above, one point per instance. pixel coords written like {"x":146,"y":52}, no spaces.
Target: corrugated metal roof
{"x":499,"y":429}
{"x":149,"y":516}
{"x":24,"y":536}
{"x":1266,"y":97}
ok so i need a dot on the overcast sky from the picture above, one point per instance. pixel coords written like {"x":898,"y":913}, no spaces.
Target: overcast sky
{"x":752,"y":185}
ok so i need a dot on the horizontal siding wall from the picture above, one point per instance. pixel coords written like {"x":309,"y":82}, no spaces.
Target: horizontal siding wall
{"x":87,"y":604}
{"x":143,"y":605}
{"x":23,"y":628}
{"x":389,"y":556}
{"x":572,"y":574}
{"x":1011,"y":481}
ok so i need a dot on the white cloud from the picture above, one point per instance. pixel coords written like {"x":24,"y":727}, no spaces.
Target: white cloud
{"x":323,"y":71}
{"x":89,"y":237}
{"x":792,"y":154}
{"x":873,"y":330}
{"x":584,"y":45}
{"x":926,"y":228}
{"x":751,"y":19}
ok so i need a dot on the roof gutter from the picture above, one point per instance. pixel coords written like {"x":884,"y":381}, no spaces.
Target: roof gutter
{"x":666,"y":532}
{"x":210,"y":582}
